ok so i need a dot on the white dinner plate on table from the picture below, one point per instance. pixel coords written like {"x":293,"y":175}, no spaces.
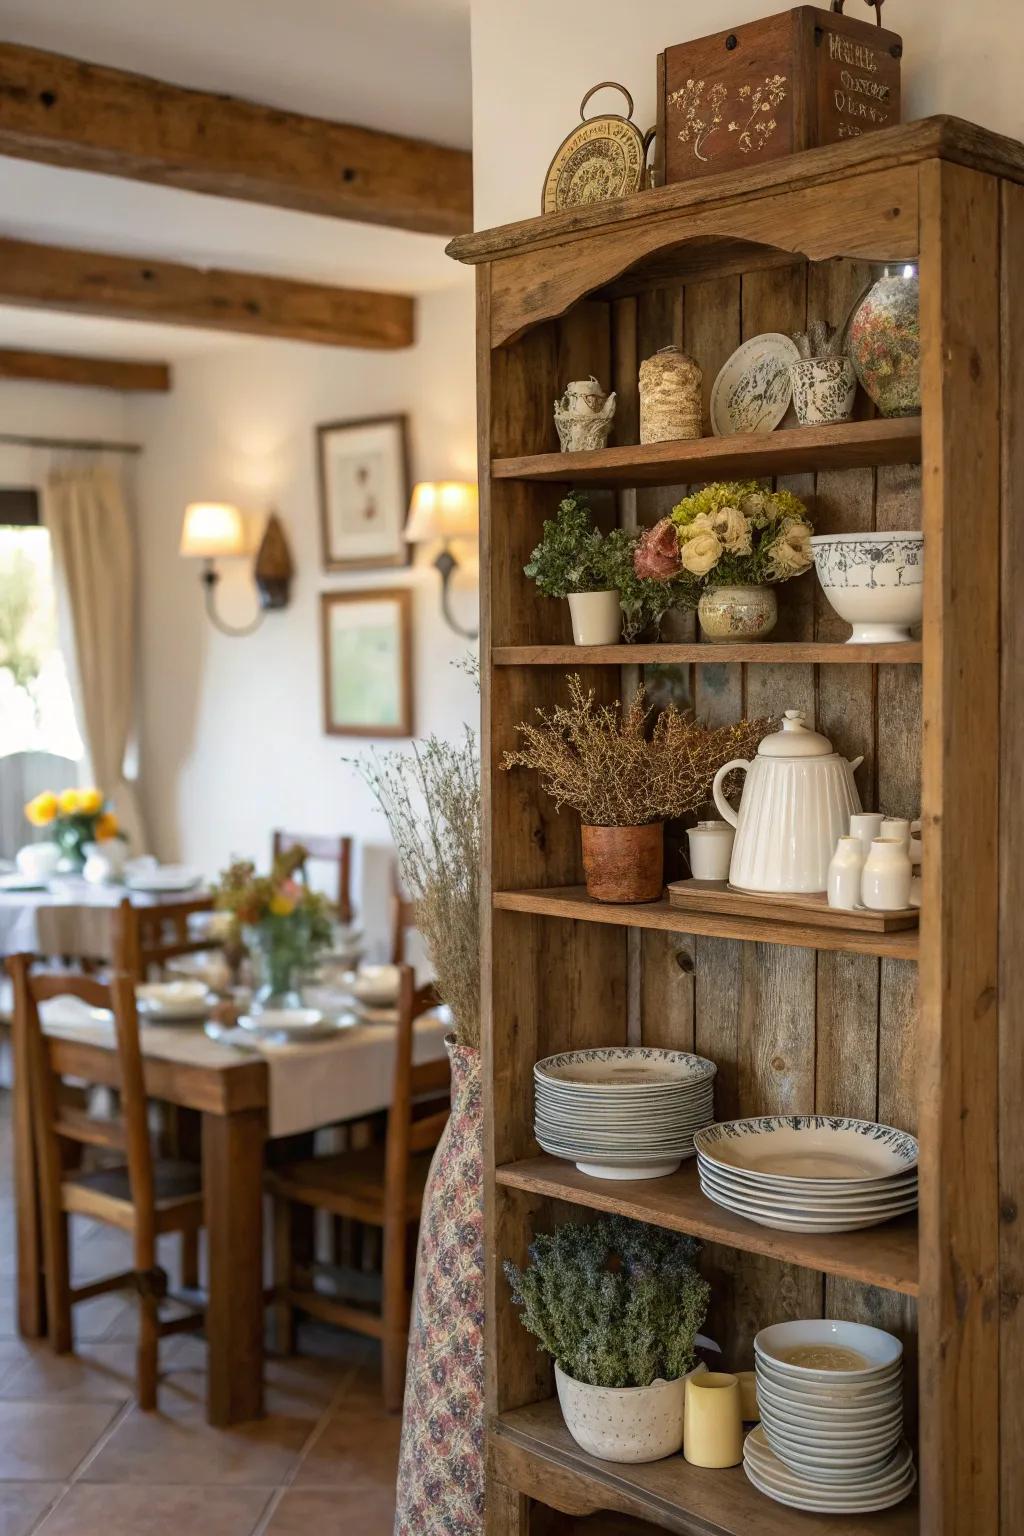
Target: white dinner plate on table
{"x":170,"y":1002}
{"x":170,"y":880}
{"x":18,"y":882}
{"x":292,"y":1024}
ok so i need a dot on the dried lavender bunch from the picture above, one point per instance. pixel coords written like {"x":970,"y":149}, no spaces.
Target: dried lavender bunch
{"x":615,"y":1302}
{"x":604,"y":762}
{"x":431,"y":799}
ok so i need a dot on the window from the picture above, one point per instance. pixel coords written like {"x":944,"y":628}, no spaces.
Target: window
{"x":36,"y":712}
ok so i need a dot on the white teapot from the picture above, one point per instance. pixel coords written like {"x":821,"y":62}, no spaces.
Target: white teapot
{"x":797,"y":800}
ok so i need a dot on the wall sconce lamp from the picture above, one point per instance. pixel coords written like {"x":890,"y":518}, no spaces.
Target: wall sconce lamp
{"x":445,"y":510}
{"x":215,"y":531}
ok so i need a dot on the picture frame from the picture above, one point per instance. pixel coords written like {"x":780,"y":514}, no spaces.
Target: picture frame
{"x":364,"y":489}
{"x":366,"y":660}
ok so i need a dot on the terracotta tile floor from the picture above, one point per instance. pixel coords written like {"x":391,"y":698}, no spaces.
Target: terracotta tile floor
{"x":78,"y":1458}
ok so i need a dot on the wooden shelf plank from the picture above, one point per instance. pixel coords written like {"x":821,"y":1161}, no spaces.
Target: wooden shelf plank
{"x":767,"y":653}
{"x":532,"y":1446}
{"x":572,"y":902}
{"x":794,"y":450}
{"x":884,"y":1256}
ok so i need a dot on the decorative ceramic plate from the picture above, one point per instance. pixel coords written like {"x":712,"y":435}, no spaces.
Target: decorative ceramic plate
{"x":881,"y":1193}
{"x":753,"y":390}
{"x":623,"y":1066}
{"x":887,"y":1486}
{"x":814,"y":1149}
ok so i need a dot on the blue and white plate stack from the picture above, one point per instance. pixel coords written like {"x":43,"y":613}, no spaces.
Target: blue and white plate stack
{"x":622,"y":1112}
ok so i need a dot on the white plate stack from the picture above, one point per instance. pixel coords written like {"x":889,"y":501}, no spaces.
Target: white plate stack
{"x":831,"y":1434}
{"x":622,"y":1112}
{"x":809,"y":1173}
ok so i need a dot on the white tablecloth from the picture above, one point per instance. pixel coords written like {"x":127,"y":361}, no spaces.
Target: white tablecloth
{"x":311,"y":1085}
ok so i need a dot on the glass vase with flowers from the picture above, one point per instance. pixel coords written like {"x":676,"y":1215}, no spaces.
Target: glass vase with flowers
{"x":283,"y":923}
{"x":76,"y":818}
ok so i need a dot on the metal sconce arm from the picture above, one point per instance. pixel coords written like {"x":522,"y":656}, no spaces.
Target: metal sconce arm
{"x":446,"y":564}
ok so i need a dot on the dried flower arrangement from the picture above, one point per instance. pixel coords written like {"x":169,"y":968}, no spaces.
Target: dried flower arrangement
{"x":431,"y":799}
{"x":733,"y":532}
{"x":575,"y":556}
{"x":615,"y":1302}
{"x":604,"y":762}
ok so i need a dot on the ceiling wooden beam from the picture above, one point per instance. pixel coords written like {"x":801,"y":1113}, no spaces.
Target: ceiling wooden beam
{"x":62,"y":111}
{"x":90,"y":372}
{"x":130,"y":288}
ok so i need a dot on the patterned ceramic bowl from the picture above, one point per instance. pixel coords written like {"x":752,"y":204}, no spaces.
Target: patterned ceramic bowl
{"x":873,"y":581}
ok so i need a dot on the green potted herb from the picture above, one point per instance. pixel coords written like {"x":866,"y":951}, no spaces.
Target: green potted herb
{"x":569,"y":562}
{"x":617,"y":1305}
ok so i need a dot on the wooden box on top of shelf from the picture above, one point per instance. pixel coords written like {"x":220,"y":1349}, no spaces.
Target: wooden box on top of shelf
{"x":917,"y":1034}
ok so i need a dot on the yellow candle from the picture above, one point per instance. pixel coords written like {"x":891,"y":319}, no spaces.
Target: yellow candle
{"x":712,"y":1421}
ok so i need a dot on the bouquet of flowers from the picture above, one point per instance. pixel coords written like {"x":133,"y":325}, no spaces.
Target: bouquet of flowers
{"x":282,"y":922}
{"x":77,"y":816}
{"x":730,"y":533}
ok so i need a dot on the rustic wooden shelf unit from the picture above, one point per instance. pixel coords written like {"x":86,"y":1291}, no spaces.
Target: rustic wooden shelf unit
{"x":920,"y":1030}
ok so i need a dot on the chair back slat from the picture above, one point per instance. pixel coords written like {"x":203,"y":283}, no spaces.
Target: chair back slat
{"x":426,"y":1133}
{"x":402,"y":921}
{"x":147,"y":936}
{"x":54,"y":1121}
{"x":324,"y":850}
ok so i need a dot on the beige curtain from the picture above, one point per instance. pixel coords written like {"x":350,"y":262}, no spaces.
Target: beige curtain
{"x":94,"y":568}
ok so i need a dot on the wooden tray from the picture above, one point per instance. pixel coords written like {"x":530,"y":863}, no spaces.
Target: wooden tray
{"x":719,"y":896}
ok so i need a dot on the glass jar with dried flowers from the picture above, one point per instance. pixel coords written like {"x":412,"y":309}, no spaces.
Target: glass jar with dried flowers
{"x":283,"y":923}
{"x":735,"y":540}
{"x":626,"y":779}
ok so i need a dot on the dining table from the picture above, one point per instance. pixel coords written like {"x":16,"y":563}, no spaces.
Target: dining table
{"x":246,"y":1096}
{"x":72,"y":916}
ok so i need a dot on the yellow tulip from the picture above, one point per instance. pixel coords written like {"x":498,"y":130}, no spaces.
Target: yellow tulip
{"x":69,"y":801}
{"x":43,"y":809}
{"x":282,"y":905}
{"x":90,"y":801}
{"x":107,"y":827}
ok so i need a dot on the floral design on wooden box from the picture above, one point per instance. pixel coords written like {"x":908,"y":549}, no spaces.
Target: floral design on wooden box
{"x":754,"y":121}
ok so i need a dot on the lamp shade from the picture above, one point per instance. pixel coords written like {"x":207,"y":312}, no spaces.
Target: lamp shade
{"x":212,"y":529}
{"x":443,"y":509}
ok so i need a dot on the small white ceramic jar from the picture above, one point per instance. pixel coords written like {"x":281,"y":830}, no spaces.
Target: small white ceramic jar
{"x":866,"y":825}
{"x":596,"y":618}
{"x":885,"y":884}
{"x":844,"y":873}
{"x":897,"y":828}
{"x":710,"y":849}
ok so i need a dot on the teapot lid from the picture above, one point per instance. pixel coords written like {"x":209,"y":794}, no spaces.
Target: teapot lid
{"x":794,"y":739}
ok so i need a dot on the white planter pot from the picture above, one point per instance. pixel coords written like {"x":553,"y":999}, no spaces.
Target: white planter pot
{"x":624,"y":1423}
{"x":596,"y":618}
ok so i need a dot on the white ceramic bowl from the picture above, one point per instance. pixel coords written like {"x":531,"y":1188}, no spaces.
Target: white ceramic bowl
{"x":376,"y":985}
{"x":38,"y":861}
{"x":881,"y":1350}
{"x":172,"y":999}
{"x":873,"y":581}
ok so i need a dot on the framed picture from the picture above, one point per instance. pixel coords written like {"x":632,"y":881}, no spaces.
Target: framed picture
{"x":367,"y":662}
{"x":364,"y":492}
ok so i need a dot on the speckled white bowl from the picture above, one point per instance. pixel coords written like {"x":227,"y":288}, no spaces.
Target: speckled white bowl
{"x":624,"y":1423}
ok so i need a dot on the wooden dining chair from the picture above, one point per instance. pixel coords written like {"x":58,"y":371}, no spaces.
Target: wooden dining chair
{"x":146,"y":937}
{"x":138,"y":1194}
{"x":324,"y":850}
{"x":380,"y":1186}
{"x":403,"y":920}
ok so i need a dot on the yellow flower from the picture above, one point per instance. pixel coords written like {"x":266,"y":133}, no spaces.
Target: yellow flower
{"x":43,"y":809}
{"x":107,"y":826}
{"x":90,"y":801}
{"x":69,"y":802}
{"x":701,"y":554}
{"x":282,"y":905}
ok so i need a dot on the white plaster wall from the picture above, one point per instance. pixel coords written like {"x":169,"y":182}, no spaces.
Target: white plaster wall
{"x":533,"y":62}
{"x":232,"y":740}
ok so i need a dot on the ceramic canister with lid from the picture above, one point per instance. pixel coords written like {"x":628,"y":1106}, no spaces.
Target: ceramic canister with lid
{"x":797,"y":800}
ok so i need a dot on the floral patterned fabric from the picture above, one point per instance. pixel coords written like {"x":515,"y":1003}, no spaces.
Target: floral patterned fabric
{"x":441,"y":1466}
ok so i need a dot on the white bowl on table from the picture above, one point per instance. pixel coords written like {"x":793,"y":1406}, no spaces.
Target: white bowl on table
{"x":173,"y":1000}
{"x":873,"y":581}
{"x":375,"y":985}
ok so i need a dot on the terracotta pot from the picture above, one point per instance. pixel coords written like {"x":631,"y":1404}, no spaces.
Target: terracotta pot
{"x":624,"y":863}
{"x":441,"y":1463}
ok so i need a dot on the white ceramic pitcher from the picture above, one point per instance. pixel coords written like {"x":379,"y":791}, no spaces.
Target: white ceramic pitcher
{"x":797,"y":800}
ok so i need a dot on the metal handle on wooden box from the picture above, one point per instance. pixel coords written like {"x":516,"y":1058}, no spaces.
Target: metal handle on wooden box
{"x":837,"y":7}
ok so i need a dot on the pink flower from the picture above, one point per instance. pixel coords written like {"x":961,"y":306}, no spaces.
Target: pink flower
{"x":656,"y":557}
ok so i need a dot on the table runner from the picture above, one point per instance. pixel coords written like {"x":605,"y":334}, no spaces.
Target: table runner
{"x":310,"y":1085}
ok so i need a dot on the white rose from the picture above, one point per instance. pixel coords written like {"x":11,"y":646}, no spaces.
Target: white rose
{"x":733,"y":530}
{"x":790,"y":552}
{"x":702,"y":553}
